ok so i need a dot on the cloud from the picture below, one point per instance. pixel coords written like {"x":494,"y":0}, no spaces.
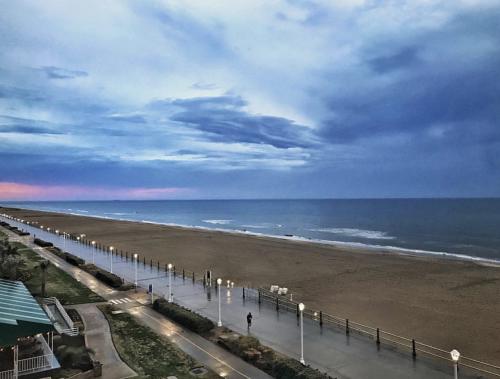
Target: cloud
{"x":62,"y":73}
{"x":204,"y":86}
{"x":271,"y":98}
{"x":402,"y":59}
{"x":426,"y":87}
{"x":225,"y":120}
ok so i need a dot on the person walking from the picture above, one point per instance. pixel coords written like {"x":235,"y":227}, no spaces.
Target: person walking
{"x":249,"y":319}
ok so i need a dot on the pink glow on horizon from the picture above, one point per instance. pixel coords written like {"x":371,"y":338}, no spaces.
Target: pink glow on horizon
{"x":22,"y":191}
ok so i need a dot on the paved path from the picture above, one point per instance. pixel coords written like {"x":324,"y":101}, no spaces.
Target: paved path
{"x":326,"y":349}
{"x":98,"y":338}
{"x":205,"y":352}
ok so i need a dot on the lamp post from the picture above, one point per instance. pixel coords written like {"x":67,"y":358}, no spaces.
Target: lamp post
{"x":111,"y":259}
{"x":455,"y":356}
{"x":170,"y":295}
{"x":301,"y":309}
{"x":135,"y":269}
{"x":93,"y":252}
{"x":219,"y":282}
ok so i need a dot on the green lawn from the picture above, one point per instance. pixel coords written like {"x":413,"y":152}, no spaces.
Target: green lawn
{"x":59,"y":284}
{"x":146,"y":352}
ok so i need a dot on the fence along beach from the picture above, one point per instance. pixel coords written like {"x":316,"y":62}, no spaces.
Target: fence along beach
{"x":442,"y":302}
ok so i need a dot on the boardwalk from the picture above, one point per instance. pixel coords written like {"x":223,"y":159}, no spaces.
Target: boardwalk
{"x":327,"y":349}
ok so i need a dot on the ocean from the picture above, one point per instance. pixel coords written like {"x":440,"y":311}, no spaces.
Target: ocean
{"x":465,"y":227}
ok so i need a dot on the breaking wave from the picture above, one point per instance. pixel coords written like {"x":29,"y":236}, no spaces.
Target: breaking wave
{"x":359,"y":233}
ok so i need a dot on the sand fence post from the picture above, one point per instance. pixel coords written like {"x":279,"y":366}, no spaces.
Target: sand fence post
{"x":166,"y":269}
{"x":414,"y":349}
{"x":126,"y":256}
{"x":378,"y":336}
{"x":144,"y":261}
{"x":298,"y":311}
{"x":183,"y":274}
{"x":259,"y":296}
{"x":158,"y":266}
{"x":175,"y":273}
{"x":151,"y":264}
{"x":277,"y":304}
{"x":243,"y":293}
{"x":347,"y":326}
{"x":193,"y":277}
{"x":321,"y":318}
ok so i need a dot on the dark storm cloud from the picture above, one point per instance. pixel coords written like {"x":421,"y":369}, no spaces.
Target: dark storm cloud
{"x":405,"y":58}
{"x":445,"y":84}
{"x":225,"y":120}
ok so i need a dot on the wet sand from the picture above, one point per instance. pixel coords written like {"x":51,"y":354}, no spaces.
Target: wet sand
{"x":443,"y":302}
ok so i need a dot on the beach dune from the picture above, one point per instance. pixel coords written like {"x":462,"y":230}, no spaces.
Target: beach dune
{"x":443,"y":302}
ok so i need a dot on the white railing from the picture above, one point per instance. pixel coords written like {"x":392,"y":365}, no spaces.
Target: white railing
{"x":71,"y":329}
{"x":35,"y":363}
{"x":9,"y":374}
{"x":62,"y":311}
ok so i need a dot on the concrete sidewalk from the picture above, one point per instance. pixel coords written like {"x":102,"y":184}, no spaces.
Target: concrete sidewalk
{"x":327,"y":349}
{"x":98,"y":338}
{"x":205,"y":352}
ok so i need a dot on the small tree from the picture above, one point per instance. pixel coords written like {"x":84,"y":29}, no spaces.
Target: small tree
{"x":43,"y":266}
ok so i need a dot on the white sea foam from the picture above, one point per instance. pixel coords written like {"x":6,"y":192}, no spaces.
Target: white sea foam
{"x":264,"y":225}
{"x":359,"y":233}
{"x":217,"y":222}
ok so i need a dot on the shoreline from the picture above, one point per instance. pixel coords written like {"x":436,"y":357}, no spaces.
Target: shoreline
{"x":419,"y":296}
{"x":354,"y":246}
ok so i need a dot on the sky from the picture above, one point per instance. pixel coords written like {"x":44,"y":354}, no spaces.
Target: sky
{"x":249,"y":99}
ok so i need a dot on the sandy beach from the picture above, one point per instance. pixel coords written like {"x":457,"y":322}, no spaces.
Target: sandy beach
{"x":443,"y":302}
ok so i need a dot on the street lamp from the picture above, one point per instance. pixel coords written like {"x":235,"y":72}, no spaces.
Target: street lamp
{"x":301,"y":309}
{"x":170,"y":295}
{"x":135,"y":267}
{"x":219,"y":282}
{"x":111,"y":259}
{"x":93,"y":252}
{"x":455,"y":356}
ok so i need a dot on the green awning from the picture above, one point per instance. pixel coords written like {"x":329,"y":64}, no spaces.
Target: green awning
{"x":20,"y":314}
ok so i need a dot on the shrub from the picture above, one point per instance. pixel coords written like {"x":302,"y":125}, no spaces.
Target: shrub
{"x":183,"y":316}
{"x":264,"y":358}
{"x":56,"y":251}
{"x":42,"y":243}
{"x":108,"y":278}
{"x":74,"y":260}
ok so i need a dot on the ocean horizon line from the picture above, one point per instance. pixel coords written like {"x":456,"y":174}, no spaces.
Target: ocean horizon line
{"x":257,"y":199}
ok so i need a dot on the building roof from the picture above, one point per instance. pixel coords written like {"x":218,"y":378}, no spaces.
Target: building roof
{"x":20,"y":314}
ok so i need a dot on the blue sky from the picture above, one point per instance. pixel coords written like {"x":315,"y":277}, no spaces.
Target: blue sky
{"x":249,"y":99}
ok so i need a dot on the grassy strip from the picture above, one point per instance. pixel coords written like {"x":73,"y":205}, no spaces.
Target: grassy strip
{"x":59,"y":284}
{"x":146,"y":352}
